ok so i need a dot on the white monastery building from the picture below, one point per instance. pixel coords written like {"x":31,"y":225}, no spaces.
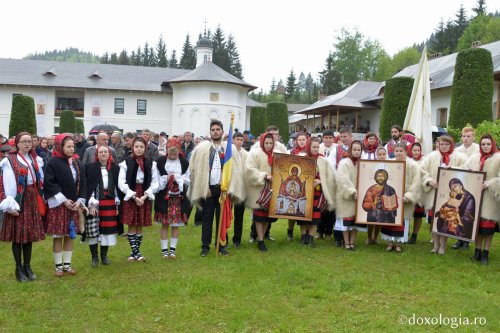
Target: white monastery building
{"x":130,"y":97}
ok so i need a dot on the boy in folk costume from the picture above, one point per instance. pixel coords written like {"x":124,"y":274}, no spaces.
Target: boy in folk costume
{"x":205,"y":169}
{"x":20,"y":182}
{"x":239,"y":208}
{"x":171,"y":205}
{"x":444,"y":156}
{"x":325,"y":226}
{"x":399,"y":234}
{"x":324,"y":191}
{"x":138,"y":180}
{"x":468,"y":148}
{"x":487,"y":160}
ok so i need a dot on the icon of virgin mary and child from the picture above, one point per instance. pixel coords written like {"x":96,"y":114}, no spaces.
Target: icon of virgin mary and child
{"x":292,"y":194}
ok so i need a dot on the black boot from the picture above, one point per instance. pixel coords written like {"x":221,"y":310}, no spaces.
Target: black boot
{"x":310,"y":239}
{"x":457,"y":245}
{"x":303,"y":239}
{"x":413,"y":239}
{"x":29,"y":273}
{"x":104,"y":255}
{"x":484,"y":257}
{"x":262,"y":246}
{"x":289,"y":234}
{"x":465,"y":246}
{"x":20,"y":275}
{"x":95,"y":255}
{"x":477,"y":255}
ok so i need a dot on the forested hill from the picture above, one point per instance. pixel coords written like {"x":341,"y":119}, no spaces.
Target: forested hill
{"x":69,"y":54}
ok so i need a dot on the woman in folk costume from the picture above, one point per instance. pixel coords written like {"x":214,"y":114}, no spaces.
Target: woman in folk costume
{"x":300,"y":149}
{"x":370,"y":144}
{"x":444,"y":156}
{"x":412,"y":191}
{"x":258,"y":168}
{"x":487,"y":160}
{"x":21,"y":182}
{"x":171,"y":205}
{"x":65,"y":189}
{"x":138,"y":180}
{"x":346,"y":195}
{"x":324,"y":192}
{"x":103,"y":200}
{"x":414,"y":152}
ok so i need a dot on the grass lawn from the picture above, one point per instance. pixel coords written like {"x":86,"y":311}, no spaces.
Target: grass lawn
{"x":288,"y":289}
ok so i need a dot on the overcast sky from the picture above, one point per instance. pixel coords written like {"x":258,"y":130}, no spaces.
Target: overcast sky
{"x":272,"y":36}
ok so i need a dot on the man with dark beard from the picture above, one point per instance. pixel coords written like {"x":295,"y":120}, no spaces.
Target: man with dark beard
{"x":396,"y":137}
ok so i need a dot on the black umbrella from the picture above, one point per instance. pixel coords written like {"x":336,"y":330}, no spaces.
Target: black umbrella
{"x":104,"y":128}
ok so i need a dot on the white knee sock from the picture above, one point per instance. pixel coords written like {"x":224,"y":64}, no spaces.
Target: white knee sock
{"x":173,"y":242}
{"x":66,"y":255}
{"x":58,"y":258}
{"x":164,"y":244}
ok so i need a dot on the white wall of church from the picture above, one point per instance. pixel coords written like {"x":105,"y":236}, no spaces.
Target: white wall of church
{"x":195,"y":104}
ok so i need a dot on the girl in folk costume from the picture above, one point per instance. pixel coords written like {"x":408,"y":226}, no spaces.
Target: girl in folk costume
{"x":412,"y":191}
{"x":171,"y":205}
{"x":65,"y":189}
{"x":346,"y":195}
{"x":300,"y":149}
{"x":43,"y":150}
{"x":21,"y":183}
{"x":138,"y":180}
{"x":414,"y":152}
{"x":374,"y":230}
{"x":370,"y":144}
{"x":488,"y":160}
{"x":444,"y":156}
{"x":258,"y":170}
{"x":324,"y":186}
{"x":103,"y":200}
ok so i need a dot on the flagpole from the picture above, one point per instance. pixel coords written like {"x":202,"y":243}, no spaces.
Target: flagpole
{"x":219,"y":229}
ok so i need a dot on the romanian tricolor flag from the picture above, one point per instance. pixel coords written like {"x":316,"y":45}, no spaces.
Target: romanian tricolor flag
{"x":225,"y":201}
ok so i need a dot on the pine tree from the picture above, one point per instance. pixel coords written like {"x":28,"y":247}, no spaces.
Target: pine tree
{"x":188,"y":57}
{"x":480,"y":8}
{"x":273,"y":86}
{"x":146,"y":57}
{"x":161,"y":52}
{"x":301,"y":84}
{"x":138,"y":57}
{"x":123,"y":58}
{"x":104,"y":59}
{"x":173,"y":60}
{"x":291,"y":85}
{"x":220,"y":54}
{"x":113,"y":58}
{"x":234,"y":58}
{"x":153,"y":59}
{"x":330,"y":78}
{"x":309,"y":88}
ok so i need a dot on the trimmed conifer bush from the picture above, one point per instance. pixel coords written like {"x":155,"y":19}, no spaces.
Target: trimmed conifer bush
{"x":397,"y":93}
{"x":79,"y":126}
{"x":22,"y":116}
{"x":67,"y":122}
{"x":472,"y":90}
{"x":277,"y":115}
{"x":258,"y":121}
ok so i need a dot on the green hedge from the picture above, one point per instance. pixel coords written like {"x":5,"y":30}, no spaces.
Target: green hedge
{"x":22,"y":116}
{"x":258,"y":120}
{"x":67,"y":122}
{"x":277,"y":115}
{"x":472,"y":90}
{"x":79,"y":126}
{"x":397,"y":93}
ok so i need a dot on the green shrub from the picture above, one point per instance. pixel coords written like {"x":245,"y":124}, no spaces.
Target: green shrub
{"x":22,"y":116}
{"x":258,"y":120}
{"x":79,"y":126}
{"x":489,"y":127}
{"x":277,"y":115}
{"x":455,"y":133}
{"x":397,"y":93}
{"x":67,"y":122}
{"x":472,"y":90}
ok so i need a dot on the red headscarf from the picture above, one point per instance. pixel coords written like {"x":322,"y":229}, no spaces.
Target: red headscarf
{"x":268,"y":153}
{"x":58,"y":147}
{"x":485,"y":156}
{"x":297,"y":150}
{"x":110,"y":158}
{"x":409,"y":151}
{"x":32,"y":151}
{"x":446,"y":156}
{"x":175,"y":142}
{"x":139,"y":159}
{"x":308,"y":148}
{"x":368,"y":147}
{"x":354,"y":159}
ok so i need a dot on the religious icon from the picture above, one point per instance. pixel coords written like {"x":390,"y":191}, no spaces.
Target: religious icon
{"x":293,"y":178}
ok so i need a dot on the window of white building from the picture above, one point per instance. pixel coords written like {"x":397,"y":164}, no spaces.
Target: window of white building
{"x":141,"y":107}
{"x":443,"y":117}
{"x":119,"y":105}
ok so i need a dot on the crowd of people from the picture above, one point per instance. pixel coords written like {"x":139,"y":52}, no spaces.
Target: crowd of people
{"x":67,"y":185}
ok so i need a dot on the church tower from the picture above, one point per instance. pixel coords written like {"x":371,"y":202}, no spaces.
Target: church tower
{"x":204,"y":50}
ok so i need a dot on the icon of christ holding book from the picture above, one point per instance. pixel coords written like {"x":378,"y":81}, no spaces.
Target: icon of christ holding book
{"x":381,"y":201}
